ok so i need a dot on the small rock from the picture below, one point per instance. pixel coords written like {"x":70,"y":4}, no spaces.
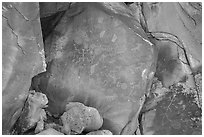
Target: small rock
{"x":79,"y":117}
{"x":33,"y":113}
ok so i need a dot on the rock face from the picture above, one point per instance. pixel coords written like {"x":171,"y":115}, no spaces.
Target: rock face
{"x":178,"y":112}
{"x":49,"y":8}
{"x":50,"y":14}
{"x":186,"y":25}
{"x":100,"y":64}
{"x":171,"y":64}
{"x":102,"y":59}
{"x":179,"y":38}
{"x":177,"y":108}
{"x":78,"y":118}
{"x":22,"y":57}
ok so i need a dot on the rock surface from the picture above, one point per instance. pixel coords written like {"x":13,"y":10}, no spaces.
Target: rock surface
{"x":100,"y":54}
{"x":50,"y":131}
{"x":79,"y":117}
{"x":50,"y":8}
{"x":186,"y":25}
{"x":172,"y":66}
{"x":177,"y":113}
{"x":101,"y":59}
{"x":32,"y":114}
{"x":100,"y":132}
{"x":22,"y":57}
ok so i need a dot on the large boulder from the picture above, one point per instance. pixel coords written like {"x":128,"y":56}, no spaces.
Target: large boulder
{"x":101,"y":57}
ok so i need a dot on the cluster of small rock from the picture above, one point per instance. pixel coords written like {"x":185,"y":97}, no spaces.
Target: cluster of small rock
{"x":77,"y":119}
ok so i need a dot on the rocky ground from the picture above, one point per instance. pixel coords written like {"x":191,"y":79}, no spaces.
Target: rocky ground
{"x":102,"y":68}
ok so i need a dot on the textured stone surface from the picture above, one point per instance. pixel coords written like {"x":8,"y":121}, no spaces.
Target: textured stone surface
{"x":177,"y":113}
{"x":50,"y":15}
{"x":50,"y":131}
{"x":186,"y":24}
{"x":198,"y":81}
{"x":171,"y":68}
{"x":32,"y":114}
{"x":49,"y":8}
{"x":98,"y":54}
{"x":100,"y":132}
{"x":22,"y":56}
{"x":100,"y":59}
{"x":79,"y":117}
{"x":176,"y":110}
